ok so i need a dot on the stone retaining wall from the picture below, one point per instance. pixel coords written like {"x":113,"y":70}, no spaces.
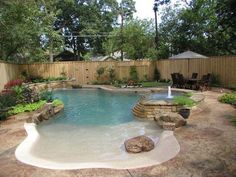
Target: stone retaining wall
{"x":44,"y":113}
{"x":51,"y":85}
{"x":148,"y":108}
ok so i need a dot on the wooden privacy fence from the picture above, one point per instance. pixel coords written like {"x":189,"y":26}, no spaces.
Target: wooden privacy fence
{"x":86,"y":72}
{"x":8,"y":72}
{"x":224,"y":67}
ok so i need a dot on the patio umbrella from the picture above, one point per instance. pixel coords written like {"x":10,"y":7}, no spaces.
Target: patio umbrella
{"x":188,"y":55}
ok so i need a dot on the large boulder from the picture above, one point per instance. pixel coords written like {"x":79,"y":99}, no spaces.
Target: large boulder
{"x":139,"y":144}
{"x":169,"y":119}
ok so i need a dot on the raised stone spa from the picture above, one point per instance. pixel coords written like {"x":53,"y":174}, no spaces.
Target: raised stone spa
{"x":149,"y":105}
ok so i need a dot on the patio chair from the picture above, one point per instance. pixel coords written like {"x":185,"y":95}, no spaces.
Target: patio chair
{"x":204,"y":83}
{"x":194,"y":75}
{"x":192,"y":82}
{"x":174,"y":77}
{"x":181,"y":81}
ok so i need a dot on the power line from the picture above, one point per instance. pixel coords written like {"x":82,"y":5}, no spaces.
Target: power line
{"x":89,"y":35}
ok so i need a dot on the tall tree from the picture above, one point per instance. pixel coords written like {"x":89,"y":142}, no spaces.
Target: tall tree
{"x":138,"y":40}
{"x":84,"y":22}
{"x":25,"y":30}
{"x":125,"y":10}
{"x":198,"y":27}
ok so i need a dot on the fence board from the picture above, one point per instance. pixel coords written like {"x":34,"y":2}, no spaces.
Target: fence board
{"x":86,"y":72}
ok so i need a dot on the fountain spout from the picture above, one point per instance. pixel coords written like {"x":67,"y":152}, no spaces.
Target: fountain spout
{"x":169,"y":92}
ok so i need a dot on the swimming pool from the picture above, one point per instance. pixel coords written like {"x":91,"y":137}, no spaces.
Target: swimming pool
{"x":90,"y":133}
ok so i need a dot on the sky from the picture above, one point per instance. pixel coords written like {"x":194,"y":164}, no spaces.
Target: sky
{"x":144,"y":8}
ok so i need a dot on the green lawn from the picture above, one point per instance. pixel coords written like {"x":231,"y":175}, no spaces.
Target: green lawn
{"x":155,"y":84}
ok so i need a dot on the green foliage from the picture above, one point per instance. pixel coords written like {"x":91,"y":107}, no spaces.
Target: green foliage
{"x":188,"y":94}
{"x":137,"y":40}
{"x":57,"y":102}
{"x":18,"y":90}
{"x":133,"y":74}
{"x":112,"y":75}
{"x":229,"y":98}
{"x":7,"y":100}
{"x":20,"y":108}
{"x":202,"y":26}
{"x":100,"y":71}
{"x":47,"y":96}
{"x":25,"y":31}
{"x":184,"y":101}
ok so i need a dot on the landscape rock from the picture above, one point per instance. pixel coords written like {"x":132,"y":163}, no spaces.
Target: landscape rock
{"x":164,"y":120}
{"x":139,"y":144}
{"x":44,"y":113}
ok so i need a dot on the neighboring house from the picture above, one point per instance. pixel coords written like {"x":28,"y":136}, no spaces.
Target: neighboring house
{"x":112,"y":57}
{"x":187,"y":55}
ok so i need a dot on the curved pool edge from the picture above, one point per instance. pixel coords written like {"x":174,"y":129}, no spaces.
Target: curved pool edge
{"x":167,"y":143}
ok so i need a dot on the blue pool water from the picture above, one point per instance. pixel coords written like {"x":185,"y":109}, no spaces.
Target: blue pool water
{"x":92,"y":128}
{"x":95,"y":107}
{"x":90,"y":133}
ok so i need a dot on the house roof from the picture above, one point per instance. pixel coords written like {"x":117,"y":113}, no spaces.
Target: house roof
{"x":187,"y":54}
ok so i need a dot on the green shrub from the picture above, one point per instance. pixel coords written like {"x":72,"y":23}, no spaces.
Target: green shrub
{"x":112,"y":75}
{"x":133,"y":74}
{"x":184,"y":101}
{"x":188,"y":94}
{"x":57,"y":102}
{"x":229,"y":98}
{"x":47,"y":96}
{"x":7,"y":100}
{"x":20,"y":108}
{"x":29,"y":95}
{"x":100,"y":71}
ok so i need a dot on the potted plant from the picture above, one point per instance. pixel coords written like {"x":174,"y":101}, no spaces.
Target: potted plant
{"x":186,"y":103}
{"x":184,"y":112}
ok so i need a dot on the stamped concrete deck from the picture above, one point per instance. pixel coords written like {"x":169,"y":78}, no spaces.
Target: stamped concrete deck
{"x":208,"y":149}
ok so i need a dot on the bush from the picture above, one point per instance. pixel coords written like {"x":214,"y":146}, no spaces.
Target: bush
{"x":35,"y":79}
{"x":112,"y":75}
{"x":7,"y":100}
{"x":13,"y":83}
{"x":47,"y":96}
{"x":100,"y":71}
{"x":188,"y":94}
{"x":133,"y":74}
{"x":184,"y":101}
{"x":57,"y":102}
{"x":20,"y":108}
{"x":229,"y":98}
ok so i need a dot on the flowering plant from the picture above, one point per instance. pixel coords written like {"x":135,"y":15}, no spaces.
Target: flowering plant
{"x":13,"y":83}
